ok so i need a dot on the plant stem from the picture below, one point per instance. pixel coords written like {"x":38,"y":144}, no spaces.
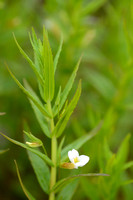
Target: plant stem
{"x":53,"y":156}
{"x":53,"y":169}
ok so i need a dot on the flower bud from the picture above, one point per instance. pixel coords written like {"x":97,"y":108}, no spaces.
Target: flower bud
{"x":33,"y":144}
{"x":67,"y":165}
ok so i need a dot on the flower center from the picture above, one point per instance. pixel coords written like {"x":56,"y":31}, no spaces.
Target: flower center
{"x":76,"y":160}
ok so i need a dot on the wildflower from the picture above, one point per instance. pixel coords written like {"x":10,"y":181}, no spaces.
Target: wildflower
{"x":78,"y":161}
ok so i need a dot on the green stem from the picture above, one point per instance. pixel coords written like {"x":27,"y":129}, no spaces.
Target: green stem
{"x":53,"y":156}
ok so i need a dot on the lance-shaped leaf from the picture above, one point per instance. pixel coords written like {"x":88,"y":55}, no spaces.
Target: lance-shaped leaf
{"x":30,"y":62}
{"x":48,"y":69}
{"x":67,"y":180}
{"x":41,"y":169}
{"x":40,"y":117}
{"x":38,"y":51}
{"x":58,"y":54}
{"x":39,"y":106}
{"x":27,"y":193}
{"x":80,"y":141}
{"x":67,"y":89}
{"x":41,"y":155}
{"x":59,"y":150}
{"x":59,"y":128}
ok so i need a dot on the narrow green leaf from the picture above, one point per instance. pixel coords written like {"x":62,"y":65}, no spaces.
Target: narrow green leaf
{"x":48,"y":69}
{"x":59,"y":150}
{"x":42,"y":109}
{"x":41,"y":155}
{"x":30,"y":62}
{"x":80,"y":141}
{"x":57,"y":101}
{"x":40,"y":117}
{"x":41,"y":169}
{"x":59,"y":128}
{"x":58,"y":54}
{"x":3,"y":151}
{"x":68,"y":191}
{"x":27,"y":193}
{"x":65,"y":181}
{"x":38,"y":51}
{"x":67,"y":89}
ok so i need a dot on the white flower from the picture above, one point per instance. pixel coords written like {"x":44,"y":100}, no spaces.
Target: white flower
{"x":78,"y":161}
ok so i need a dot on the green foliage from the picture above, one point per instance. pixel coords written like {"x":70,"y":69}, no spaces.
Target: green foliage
{"x":102,"y":31}
{"x":48,"y":69}
{"x":60,"y":126}
{"x":58,"y":186}
{"x":71,"y":187}
{"x":37,"y":152}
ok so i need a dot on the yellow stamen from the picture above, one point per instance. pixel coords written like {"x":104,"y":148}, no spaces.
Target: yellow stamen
{"x":76,"y":160}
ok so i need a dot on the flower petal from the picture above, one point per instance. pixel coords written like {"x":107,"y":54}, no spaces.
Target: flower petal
{"x":83,"y":160}
{"x":73,"y":154}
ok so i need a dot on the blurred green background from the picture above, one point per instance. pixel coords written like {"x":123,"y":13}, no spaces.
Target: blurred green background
{"x":102,"y":31}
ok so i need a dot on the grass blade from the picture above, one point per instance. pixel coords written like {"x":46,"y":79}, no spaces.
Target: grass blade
{"x":28,"y":195}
